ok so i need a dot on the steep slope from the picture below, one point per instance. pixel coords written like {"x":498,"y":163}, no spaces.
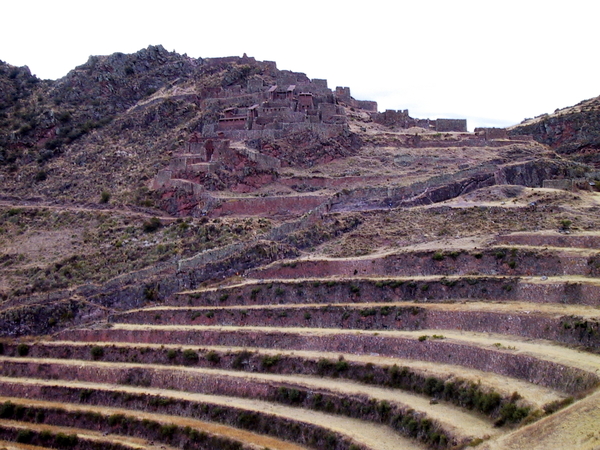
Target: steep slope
{"x":573,"y":130}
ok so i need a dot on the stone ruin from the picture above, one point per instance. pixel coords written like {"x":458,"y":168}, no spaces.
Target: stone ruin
{"x":401,"y":119}
{"x":295,"y":103}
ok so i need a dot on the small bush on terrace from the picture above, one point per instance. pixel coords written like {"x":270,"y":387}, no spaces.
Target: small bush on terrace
{"x":23,"y":349}
{"x":66,"y":440}
{"x":152,"y":225}
{"x":190,"y":356}
{"x":213,"y":357}
{"x":97,"y":352}
{"x":104,"y":197}
{"x":24,"y":436}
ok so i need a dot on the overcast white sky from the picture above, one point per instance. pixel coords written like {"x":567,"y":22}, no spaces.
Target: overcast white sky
{"x":492,"y":62}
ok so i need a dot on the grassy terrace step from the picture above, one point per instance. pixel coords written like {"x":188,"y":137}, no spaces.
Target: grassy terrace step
{"x":125,"y":428}
{"x":540,"y":362}
{"x":417,"y":376}
{"x":572,"y":324}
{"x":312,"y":429}
{"x":588,"y":240}
{"x":365,"y":402}
{"x":7,"y":445}
{"x":47,"y":436}
{"x":495,"y":260}
{"x":568,"y":289}
{"x":575,"y":427}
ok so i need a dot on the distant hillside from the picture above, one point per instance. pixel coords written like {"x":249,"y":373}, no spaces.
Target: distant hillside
{"x":574,"y":130}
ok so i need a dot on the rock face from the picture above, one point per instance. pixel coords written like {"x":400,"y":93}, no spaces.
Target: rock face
{"x":570,"y":130}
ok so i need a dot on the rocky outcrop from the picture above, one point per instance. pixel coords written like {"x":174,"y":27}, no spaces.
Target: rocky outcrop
{"x":572,"y":130}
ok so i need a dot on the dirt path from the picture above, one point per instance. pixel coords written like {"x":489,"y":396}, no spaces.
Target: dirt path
{"x":374,"y":436}
{"x":576,"y":427}
{"x":7,"y":445}
{"x":469,"y":305}
{"x":534,"y":394}
{"x":456,"y":420}
{"x":122,"y":210}
{"x":82,"y":433}
{"x":260,"y":441}
{"x":536,"y":348}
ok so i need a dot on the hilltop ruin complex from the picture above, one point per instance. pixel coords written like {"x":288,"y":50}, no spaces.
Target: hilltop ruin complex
{"x":297,"y":103}
{"x":268,"y":105}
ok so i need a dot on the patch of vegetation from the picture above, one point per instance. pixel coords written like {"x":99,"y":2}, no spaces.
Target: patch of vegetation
{"x":23,"y":349}
{"x":213,"y":357}
{"x":438,"y":256}
{"x":104,"y":197}
{"x":151,"y":225}
{"x":269,"y":361}
{"x":190,"y":356}
{"x":97,"y":352}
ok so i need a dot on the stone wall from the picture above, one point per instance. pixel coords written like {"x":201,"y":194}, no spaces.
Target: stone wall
{"x":393,"y":118}
{"x":445,"y":125}
{"x":504,"y":362}
{"x":492,"y":133}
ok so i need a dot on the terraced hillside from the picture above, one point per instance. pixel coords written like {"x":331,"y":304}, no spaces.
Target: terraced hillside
{"x":385,"y":288}
{"x":443,"y":344}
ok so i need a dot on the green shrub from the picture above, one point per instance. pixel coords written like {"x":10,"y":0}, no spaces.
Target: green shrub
{"x":190,"y":356}
{"x":241,"y":359}
{"x":289,"y":395}
{"x":510,"y":412}
{"x":115,"y":419}
{"x":46,"y":435}
{"x":565,"y":224}
{"x":151,"y":294}
{"x":324,"y":365}
{"x":341,"y":365}
{"x":270,"y":360}
{"x":554,"y":406}
{"x":368,"y":312}
{"x":97,"y":352}
{"x":213,"y":357}
{"x":152,"y":225}
{"x":438,"y":256}
{"x":24,"y":436}
{"x":104,"y":197}
{"x":422,"y":338}
{"x":7,"y":410}
{"x":41,"y":176}
{"x":66,"y":440}
{"x":171,"y":354}
{"x":354,"y":289}
{"x":168,"y":430}
{"x":23,"y":349}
